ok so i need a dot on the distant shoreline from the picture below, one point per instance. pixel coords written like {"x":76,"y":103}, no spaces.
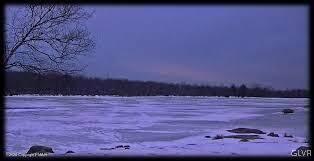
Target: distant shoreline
{"x":37,"y":95}
{"x":19,"y":83}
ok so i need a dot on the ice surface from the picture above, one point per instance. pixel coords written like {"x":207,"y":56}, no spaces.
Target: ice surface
{"x":157,"y":125}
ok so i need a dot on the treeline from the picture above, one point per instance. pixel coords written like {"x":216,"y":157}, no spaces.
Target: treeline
{"x":56,"y":84}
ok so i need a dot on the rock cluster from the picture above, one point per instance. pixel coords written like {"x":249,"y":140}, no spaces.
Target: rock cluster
{"x":39,"y":149}
{"x":117,"y":147}
{"x":70,"y":151}
{"x":288,"y":136}
{"x":272,"y":134}
{"x":246,"y":130}
{"x":245,"y":136}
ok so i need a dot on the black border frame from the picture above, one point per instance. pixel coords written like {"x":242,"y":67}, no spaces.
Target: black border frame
{"x":309,"y":3}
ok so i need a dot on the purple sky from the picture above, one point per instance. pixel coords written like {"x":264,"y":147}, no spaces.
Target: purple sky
{"x":265,"y":45}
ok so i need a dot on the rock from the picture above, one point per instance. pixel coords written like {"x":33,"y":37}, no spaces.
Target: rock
{"x":248,"y":137}
{"x":126,"y":146}
{"x":218,"y":137}
{"x":272,"y":134}
{"x":238,"y":137}
{"x":190,"y":144}
{"x":107,"y":148}
{"x":39,"y":149}
{"x":287,"y":136}
{"x":246,"y":130}
{"x":119,"y":146}
{"x":286,"y":111}
{"x":207,"y":136}
{"x":244,"y":140}
{"x":70,"y":151}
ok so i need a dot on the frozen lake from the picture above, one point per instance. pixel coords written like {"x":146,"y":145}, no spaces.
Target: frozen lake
{"x":152,"y":126}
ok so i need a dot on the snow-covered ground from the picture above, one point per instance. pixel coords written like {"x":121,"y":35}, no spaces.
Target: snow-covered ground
{"x":166,"y":126}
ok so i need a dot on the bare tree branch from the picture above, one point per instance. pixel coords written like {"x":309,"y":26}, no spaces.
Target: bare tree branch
{"x":47,"y":38}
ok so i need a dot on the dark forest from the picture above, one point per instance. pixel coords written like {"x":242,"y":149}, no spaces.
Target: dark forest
{"x":57,"y":84}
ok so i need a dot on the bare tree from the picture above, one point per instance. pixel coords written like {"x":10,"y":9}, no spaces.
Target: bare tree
{"x":47,"y":38}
